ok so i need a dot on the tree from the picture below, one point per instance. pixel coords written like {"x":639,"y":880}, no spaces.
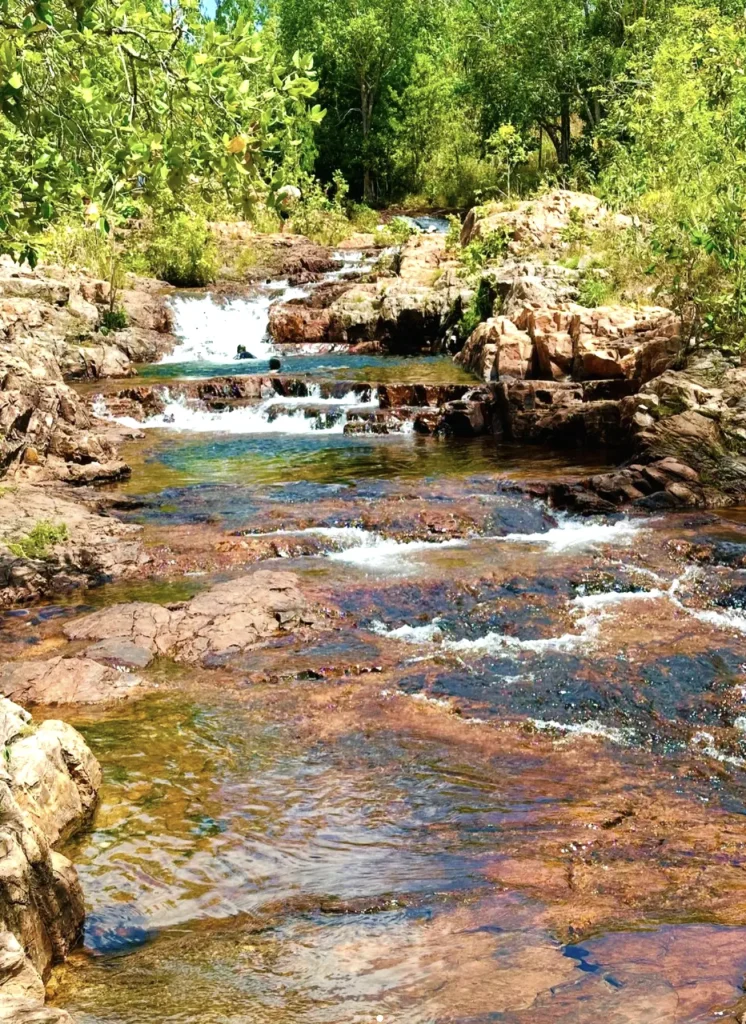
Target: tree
{"x":124,"y":105}
{"x":365,"y":50}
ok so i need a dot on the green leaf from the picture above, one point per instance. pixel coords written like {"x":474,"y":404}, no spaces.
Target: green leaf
{"x":15,"y":81}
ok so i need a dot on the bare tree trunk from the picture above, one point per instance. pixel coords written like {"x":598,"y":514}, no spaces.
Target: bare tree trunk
{"x":563,"y":154}
{"x":367,"y":100}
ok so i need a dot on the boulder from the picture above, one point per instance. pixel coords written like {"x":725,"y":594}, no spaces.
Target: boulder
{"x":224,"y":620}
{"x":538,"y":223}
{"x":48,"y":785}
{"x":96,"y":546}
{"x":497,"y":348}
{"x":72,"y":680}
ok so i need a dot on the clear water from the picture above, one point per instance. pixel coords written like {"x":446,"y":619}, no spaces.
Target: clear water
{"x":506,"y":784}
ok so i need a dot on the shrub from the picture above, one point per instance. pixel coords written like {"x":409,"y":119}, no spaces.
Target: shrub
{"x":114,"y":320}
{"x":37,"y":542}
{"x":73,"y":244}
{"x":396,"y":232}
{"x":320,"y":215}
{"x":479,"y":309}
{"x":453,"y":236}
{"x":182,"y":251}
{"x":484,"y":250}
{"x":363,"y":218}
{"x":593,"y":291}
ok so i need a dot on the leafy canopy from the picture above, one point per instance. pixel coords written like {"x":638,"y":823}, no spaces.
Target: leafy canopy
{"x":110,"y":107}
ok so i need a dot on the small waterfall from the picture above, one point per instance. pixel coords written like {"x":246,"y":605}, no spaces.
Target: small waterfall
{"x":276,"y":415}
{"x":211,"y":331}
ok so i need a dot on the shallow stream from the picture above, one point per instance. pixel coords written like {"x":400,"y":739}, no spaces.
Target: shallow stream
{"x":506,"y":784}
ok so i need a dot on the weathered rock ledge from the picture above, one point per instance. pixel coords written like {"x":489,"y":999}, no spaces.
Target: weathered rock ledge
{"x":49,"y":333}
{"x":48,"y":786}
{"x":95,"y":547}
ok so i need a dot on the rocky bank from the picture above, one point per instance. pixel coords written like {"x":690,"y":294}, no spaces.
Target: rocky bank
{"x":48,"y":785}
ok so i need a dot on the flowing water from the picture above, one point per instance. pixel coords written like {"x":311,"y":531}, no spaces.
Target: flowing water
{"x":506,"y":784}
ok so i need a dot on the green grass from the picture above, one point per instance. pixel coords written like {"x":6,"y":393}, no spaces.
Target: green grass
{"x":39,"y":540}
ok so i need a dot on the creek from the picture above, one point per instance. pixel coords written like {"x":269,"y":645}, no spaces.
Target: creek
{"x":506,"y":785}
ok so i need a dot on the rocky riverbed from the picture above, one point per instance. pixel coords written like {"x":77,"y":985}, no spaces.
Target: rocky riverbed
{"x":416,"y":682}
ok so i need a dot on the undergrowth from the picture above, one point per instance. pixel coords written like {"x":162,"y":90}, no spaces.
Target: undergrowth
{"x":37,"y":542}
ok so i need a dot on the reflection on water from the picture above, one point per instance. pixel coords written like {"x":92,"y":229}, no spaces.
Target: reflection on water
{"x":335,"y":366}
{"x":261,"y":459}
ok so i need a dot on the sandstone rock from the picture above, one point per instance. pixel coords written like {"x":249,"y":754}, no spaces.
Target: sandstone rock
{"x":557,"y":413}
{"x":28,"y":1011}
{"x":225,"y":619}
{"x":536,"y":222}
{"x":48,"y":785}
{"x":71,"y":680}
{"x":97,"y":546}
{"x":120,"y":653}
{"x":497,"y":349}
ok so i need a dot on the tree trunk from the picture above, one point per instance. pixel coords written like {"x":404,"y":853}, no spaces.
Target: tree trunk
{"x":367,"y":100}
{"x":563,"y":154}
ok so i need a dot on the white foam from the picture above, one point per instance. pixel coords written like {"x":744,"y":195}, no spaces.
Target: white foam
{"x":185,"y":416}
{"x":704,"y":742}
{"x":572,"y":534}
{"x":731,"y":619}
{"x":590,"y":728}
{"x":377,"y":552}
{"x":211,"y":331}
{"x":410,"y":634}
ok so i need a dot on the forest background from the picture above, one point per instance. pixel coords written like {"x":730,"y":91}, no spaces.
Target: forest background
{"x":167,"y":115}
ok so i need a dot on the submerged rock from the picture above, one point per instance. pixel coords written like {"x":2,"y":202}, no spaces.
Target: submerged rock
{"x":48,"y":786}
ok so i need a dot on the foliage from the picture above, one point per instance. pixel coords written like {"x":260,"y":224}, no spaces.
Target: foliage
{"x":396,"y":232}
{"x":507,"y":149}
{"x":363,"y":218}
{"x":593,"y":290}
{"x":482,"y":251}
{"x":479,"y":309}
{"x":321,"y":214}
{"x":75,"y":245}
{"x":182,"y":251}
{"x":110,"y":109}
{"x":678,"y":144}
{"x":114,"y":320}
{"x":39,"y":540}
{"x":453,"y":235}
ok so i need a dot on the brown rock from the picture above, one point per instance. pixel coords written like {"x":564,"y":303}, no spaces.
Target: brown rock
{"x":226,"y":619}
{"x":64,"y":681}
{"x":48,"y":786}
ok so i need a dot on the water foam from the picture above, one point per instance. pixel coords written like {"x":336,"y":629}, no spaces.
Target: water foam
{"x":185,"y":416}
{"x":572,"y":534}
{"x":592,"y":728}
{"x":377,"y":552}
{"x":211,"y":331}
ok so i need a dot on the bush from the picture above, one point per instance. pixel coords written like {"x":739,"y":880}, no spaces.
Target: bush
{"x":453,"y":236}
{"x":479,"y":253}
{"x":37,"y":542}
{"x":363,"y":218}
{"x":74,"y":245}
{"x":396,"y":232}
{"x":320,"y":215}
{"x":114,"y":320}
{"x":182,"y":251}
{"x":593,"y":291}
{"x":480,"y":308}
